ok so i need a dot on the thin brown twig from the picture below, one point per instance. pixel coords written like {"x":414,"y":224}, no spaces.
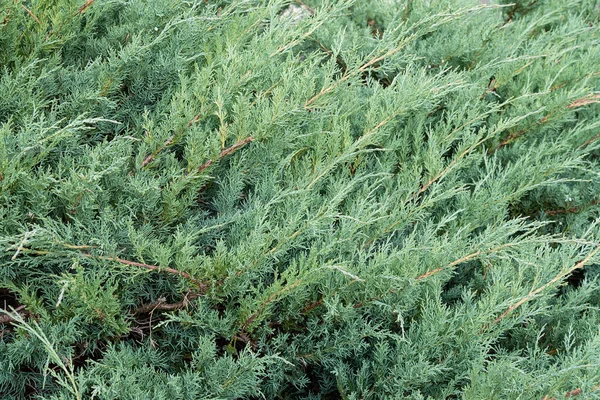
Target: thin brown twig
{"x":510,"y":138}
{"x":151,"y":157}
{"x":265,"y":303}
{"x":312,"y":10}
{"x":571,"y":210}
{"x":458,"y":261}
{"x":574,"y":392}
{"x":360,"y":70}
{"x":226,"y":152}
{"x":31,"y":14}
{"x":452,"y":264}
{"x":84,"y":6}
{"x":201,"y":285}
{"x":312,"y":305}
{"x":162,"y":305}
{"x":169,"y":141}
{"x":535,"y":292}
{"x":446,"y":170}
{"x":592,"y":140}
{"x":589,"y":99}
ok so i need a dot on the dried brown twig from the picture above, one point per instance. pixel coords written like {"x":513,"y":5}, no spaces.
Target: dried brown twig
{"x":162,"y":305}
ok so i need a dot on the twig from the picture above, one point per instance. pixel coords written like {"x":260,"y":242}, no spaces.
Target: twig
{"x":450,"y":166}
{"x":201,"y":285}
{"x":590,"y":99}
{"x":452,"y":264}
{"x":7,"y":318}
{"x":85,"y":6}
{"x":31,"y":14}
{"x":360,"y":70}
{"x":571,"y":210}
{"x":162,"y":305}
{"x":574,"y":393}
{"x":312,"y":305}
{"x":265,"y":303}
{"x":169,"y":141}
{"x":509,"y":139}
{"x":312,"y":10}
{"x":226,"y":152}
{"x":592,"y":140}
{"x":150,"y":157}
{"x":533,"y":293}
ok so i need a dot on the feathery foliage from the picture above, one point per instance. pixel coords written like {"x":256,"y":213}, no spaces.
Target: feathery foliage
{"x":320,"y":199}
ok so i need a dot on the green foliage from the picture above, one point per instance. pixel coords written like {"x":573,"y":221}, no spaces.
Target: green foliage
{"x":321,"y":199}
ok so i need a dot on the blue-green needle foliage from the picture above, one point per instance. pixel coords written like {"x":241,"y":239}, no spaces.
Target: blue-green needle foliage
{"x":269,"y":199}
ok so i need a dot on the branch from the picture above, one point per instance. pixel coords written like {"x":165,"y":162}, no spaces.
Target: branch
{"x":169,"y":142}
{"x":85,"y":6}
{"x":533,"y":293}
{"x":7,"y":318}
{"x":592,"y":140}
{"x":571,"y":210}
{"x":201,"y":285}
{"x":150,"y":157}
{"x":162,"y":305}
{"x":31,"y":14}
{"x":227,"y":152}
{"x":360,"y":70}
{"x":265,"y":303}
{"x":589,"y":99}
{"x":452,"y":264}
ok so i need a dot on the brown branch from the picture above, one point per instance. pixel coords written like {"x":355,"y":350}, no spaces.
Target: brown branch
{"x":574,"y":393}
{"x":571,"y":210}
{"x":150,"y":157}
{"x":590,"y":99}
{"x":339,"y":61}
{"x":446,"y":170}
{"x":452,"y":264}
{"x":520,"y":133}
{"x":592,"y":140}
{"x":312,"y":305}
{"x":162,"y":305}
{"x":31,"y":14}
{"x":226,"y":152}
{"x":169,"y":141}
{"x":360,"y":70}
{"x":312,"y":10}
{"x":533,"y":293}
{"x":85,"y":6}
{"x":510,"y":138}
{"x":265,"y":303}
{"x":201,"y":285}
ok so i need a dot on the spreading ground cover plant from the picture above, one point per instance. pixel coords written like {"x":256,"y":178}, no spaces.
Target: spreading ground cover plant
{"x":320,"y":199}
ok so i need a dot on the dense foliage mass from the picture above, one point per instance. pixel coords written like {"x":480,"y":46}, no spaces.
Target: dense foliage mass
{"x":322,"y":199}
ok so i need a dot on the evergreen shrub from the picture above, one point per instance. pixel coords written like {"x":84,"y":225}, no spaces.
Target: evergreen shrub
{"x":324,"y":199}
